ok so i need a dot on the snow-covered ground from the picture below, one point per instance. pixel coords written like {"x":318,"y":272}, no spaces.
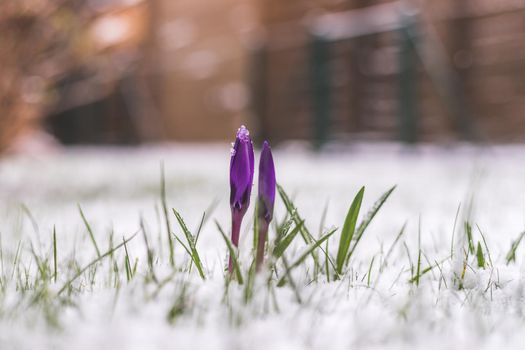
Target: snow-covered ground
{"x":365,"y":310}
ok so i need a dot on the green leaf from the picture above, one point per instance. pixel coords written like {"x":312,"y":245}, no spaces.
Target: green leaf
{"x":366,"y":221}
{"x":468,"y":231}
{"x":480,"y":256}
{"x":281,"y":246}
{"x":348,"y":230}
{"x":511,"y":255}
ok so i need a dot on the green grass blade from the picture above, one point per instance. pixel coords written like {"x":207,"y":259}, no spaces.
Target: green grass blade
{"x":480,"y":257}
{"x":127,"y":262}
{"x":33,"y":221}
{"x":233,"y":255}
{"x":149,"y":251}
{"x":92,"y":263}
{"x":348,"y":230}
{"x":327,"y":262}
{"x":281,"y":246}
{"x":166,"y":216}
{"x":199,"y":228}
{"x":486,"y":246}
{"x":511,"y":255}
{"x":323,"y":218}
{"x":366,"y":221}
{"x":418,"y":271}
{"x":191,"y":244}
{"x":391,"y":249}
{"x":54,"y":254}
{"x":470,"y":239}
{"x":90,"y":231}
{"x":283,"y":229}
{"x":291,"y":281}
{"x":205,"y":216}
{"x":418,"y":268}
{"x":312,"y":248}
{"x":40,"y":264}
{"x":294,"y":214}
{"x":409,"y":257}
{"x":183,"y":245}
{"x":417,"y":277}
{"x":369,"y":274}
{"x":250,"y":283}
{"x":16,"y":259}
{"x":303,"y":256}
{"x":454,"y":231}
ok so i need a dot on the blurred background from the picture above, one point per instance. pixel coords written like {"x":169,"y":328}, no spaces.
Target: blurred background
{"x":142,"y":71}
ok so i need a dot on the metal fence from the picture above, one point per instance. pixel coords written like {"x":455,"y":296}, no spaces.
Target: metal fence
{"x":395,"y":71}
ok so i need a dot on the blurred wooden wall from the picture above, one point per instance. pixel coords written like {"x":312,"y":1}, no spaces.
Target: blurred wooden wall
{"x":475,"y":93}
{"x":206,"y":67}
{"x":202,"y":55}
{"x":253,"y":64}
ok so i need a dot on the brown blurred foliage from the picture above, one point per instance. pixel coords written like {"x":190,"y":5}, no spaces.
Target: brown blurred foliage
{"x":43,"y":41}
{"x":36,"y":48}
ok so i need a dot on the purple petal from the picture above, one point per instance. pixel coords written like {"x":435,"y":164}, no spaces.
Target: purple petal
{"x":241,"y":171}
{"x":266,"y":183}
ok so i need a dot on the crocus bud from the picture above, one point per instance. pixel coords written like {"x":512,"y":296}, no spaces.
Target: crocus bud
{"x":241,"y":180}
{"x":266,"y":199}
{"x":241,"y":171}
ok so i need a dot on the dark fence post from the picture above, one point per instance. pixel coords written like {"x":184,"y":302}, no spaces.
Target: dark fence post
{"x":258,"y":89}
{"x":408,"y":78}
{"x":320,"y":75}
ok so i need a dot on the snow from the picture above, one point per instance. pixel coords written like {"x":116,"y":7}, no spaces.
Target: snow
{"x":115,"y":187}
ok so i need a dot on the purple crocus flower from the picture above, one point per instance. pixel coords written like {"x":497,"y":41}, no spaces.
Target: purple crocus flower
{"x":266,"y":199}
{"x":241,"y":180}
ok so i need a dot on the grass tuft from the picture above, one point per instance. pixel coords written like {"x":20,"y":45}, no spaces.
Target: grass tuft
{"x":191,"y":248}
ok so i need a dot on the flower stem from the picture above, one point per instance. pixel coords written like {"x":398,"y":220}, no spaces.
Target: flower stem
{"x":236,"y":232}
{"x":263,"y":232}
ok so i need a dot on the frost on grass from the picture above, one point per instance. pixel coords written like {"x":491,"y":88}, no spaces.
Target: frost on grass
{"x":85,"y":261}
